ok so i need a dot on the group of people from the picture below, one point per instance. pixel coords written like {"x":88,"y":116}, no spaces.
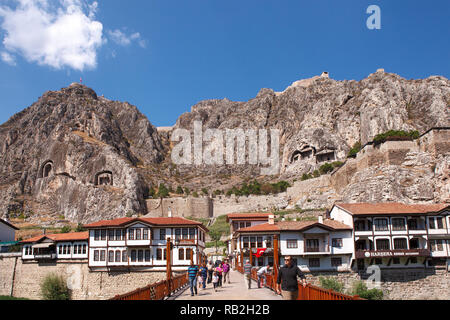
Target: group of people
{"x":217,"y":274}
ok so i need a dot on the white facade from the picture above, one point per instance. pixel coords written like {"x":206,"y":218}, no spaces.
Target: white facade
{"x":143,"y":246}
{"x":55,"y":250}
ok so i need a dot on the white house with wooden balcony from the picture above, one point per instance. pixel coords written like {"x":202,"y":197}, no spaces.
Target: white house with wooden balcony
{"x":140,"y":244}
{"x":318,"y":245}
{"x":52,"y":247}
{"x":397,"y":235}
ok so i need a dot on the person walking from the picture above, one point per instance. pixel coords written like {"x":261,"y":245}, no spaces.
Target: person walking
{"x":262,"y":275}
{"x":192,"y":274}
{"x":219,"y":271}
{"x":226,"y":272}
{"x":215,"y":281}
{"x":204,"y":274}
{"x":248,"y":273}
{"x":287,"y":284}
{"x":210,"y":268}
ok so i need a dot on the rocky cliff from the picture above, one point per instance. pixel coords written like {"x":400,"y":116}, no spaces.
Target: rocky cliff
{"x":75,"y":154}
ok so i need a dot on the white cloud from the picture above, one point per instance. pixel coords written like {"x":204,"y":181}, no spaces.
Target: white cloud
{"x":55,"y":33}
{"x":122,"y":39}
{"x":7,"y":58}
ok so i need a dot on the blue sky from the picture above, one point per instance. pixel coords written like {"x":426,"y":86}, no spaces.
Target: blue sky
{"x":164,"y":56}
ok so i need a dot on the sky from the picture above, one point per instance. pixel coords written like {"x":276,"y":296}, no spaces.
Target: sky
{"x":164,"y":56}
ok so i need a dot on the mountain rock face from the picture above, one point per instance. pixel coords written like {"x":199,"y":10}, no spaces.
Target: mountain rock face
{"x":86,"y":158}
{"x":75,"y":154}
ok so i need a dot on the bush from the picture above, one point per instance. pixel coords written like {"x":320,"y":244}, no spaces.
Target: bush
{"x":205,"y":191}
{"x":354,"y":151}
{"x":316,"y":174}
{"x":360,"y":289}
{"x":195,"y":194}
{"x":326,"y":168}
{"x":163,"y":192}
{"x":80,"y":228}
{"x":54,"y":288}
{"x":333,"y":284}
{"x":180,"y":190}
{"x":187,"y":191}
{"x":398,"y":134}
{"x":66,"y":229}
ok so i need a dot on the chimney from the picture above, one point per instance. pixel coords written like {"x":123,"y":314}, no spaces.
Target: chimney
{"x":272,"y":219}
{"x":321,"y":219}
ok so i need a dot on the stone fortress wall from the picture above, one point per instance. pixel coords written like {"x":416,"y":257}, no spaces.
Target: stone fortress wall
{"x":318,"y":193}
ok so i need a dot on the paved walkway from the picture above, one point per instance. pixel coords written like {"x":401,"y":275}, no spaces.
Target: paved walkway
{"x":236,"y":290}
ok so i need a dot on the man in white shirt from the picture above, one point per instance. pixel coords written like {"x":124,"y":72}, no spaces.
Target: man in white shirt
{"x":262,"y":274}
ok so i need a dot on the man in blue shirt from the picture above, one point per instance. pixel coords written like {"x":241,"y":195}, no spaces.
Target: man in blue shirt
{"x":192,"y":274}
{"x":204,"y":274}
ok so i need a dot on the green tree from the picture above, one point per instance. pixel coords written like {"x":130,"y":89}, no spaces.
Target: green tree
{"x":54,"y":287}
{"x":179,"y":190}
{"x":360,"y":289}
{"x":66,"y":229}
{"x":215,"y":235}
{"x":163,"y":192}
{"x":80,"y":228}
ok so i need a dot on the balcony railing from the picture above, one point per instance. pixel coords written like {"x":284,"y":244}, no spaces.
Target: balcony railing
{"x":317,"y":250}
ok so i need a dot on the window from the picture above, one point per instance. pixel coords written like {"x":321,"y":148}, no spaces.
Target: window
{"x":188,"y":254}
{"x":185,"y":234}
{"x":259,"y":242}
{"x":192,"y":233}
{"x":177,"y":234}
{"x":118,"y":234}
{"x":111,"y":235}
{"x":118,"y":256}
{"x":181,"y":254}
{"x":162,"y":234}
{"x":69,"y":249}
{"x":133,"y":255}
{"x":413,"y":260}
{"x":241,"y":225}
{"x":103,"y":234}
{"x":75,"y":249}
{"x":383,"y":244}
{"x":111,"y":256}
{"x":381,"y":225}
{"x":436,"y":223}
{"x":291,"y":244}
{"x":440,"y":223}
{"x":413,"y":225}
{"x":336,"y":262}
{"x":436,"y":245}
{"x":130,"y":234}
{"x":414,"y":243}
{"x":314,"y":263}
{"x":97,"y":235}
{"x":96,"y":255}
{"x":84,"y":248}
{"x":337,"y":243}
{"x":252,"y":242}
{"x":124,"y":256}
{"x":140,"y":255}
{"x":138,"y":234}
{"x":103,"y":255}
{"x":145,"y":234}
{"x":158,"y":254}
{"x":360,"y":225}
{"x":165,"y":254}
{"x":400,"y":244}
{"x":60,"y":249}
{"x":312,"y":245}
{"x":245,"y":242}
{"x":147,"y":255}
{"x":398,"y":224}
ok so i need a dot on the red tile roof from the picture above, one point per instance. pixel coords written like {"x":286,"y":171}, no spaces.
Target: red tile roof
{"x":153,"y":221}
{"x":249,"y":216}
{"x":295,"y":226}
{"x":391,"y":208}
{"x":59,"y":237}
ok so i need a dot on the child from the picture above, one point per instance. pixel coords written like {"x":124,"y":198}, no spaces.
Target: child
{"x":200,"y":280}
{"x":215,"y":281}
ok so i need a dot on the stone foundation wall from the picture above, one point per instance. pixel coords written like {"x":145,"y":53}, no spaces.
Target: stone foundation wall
{"x":401,"y":284}
{"x":85,"y":285}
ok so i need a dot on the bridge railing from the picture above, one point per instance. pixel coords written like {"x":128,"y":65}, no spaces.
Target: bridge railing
{"x":156,"y":291}
{"x":309,"y":292}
